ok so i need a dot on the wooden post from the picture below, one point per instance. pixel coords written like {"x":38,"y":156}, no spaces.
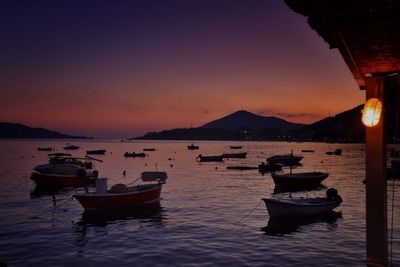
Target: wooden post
{"x":376,"y":203}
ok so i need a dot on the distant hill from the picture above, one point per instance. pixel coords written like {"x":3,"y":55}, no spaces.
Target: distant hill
{"x":244,"y":120}
{"x":15,"y":130}
{"x":240,"y":125}
{"x":345,"y":126}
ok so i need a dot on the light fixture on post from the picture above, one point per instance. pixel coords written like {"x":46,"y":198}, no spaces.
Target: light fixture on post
{"x":371,"y":114}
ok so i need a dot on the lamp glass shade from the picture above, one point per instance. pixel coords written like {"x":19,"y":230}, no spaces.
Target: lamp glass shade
{"x":371,"y":114}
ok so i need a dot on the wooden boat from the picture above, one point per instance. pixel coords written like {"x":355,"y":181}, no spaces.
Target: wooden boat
{"x":241,"y":155}
{"x":288,"y":159}
{"x":134,"y":155}
{"x":121,"y":197}
{"x":202,"y":158}
{"x":308,"y":151}
{"x":303,"y":206}
{"x":149,"y":149}
{"x":269,"y":167}
{"x":44,"y":148}
{"x":298,"y":180}
{"x":71,"y":147}
{"x":193,"y":147}
{"x":242,"y":168}
{"x":64,"y":171}
{"x":235,"y":147}
{"x":96,"y":152}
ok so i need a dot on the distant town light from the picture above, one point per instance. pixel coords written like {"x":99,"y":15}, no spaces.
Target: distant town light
{"x":371,"y":114}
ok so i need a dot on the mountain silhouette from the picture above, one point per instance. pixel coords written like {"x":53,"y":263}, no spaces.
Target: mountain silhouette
{"x":245,"y":120}
{"x":16,"y":130}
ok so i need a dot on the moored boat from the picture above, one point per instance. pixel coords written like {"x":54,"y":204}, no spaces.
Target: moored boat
{"x":64,"y":171}
{"x":298,"y":180}
{"x":241,"y":155}
{"x":235,"y":147}
{"x":269,"y":167}
{"x":96,"y":152}
{"x":149,"y":149}
{"x":202,"y":158}
{"x":44,"y":148}
{"x":288,"y":159}
{"x":193,"y":147}
{"x":121,"y":196}
{"x":303,"y":206}
{"x":71,"y":147}
{"x":242,"y":168}
{"x":134,"y":155}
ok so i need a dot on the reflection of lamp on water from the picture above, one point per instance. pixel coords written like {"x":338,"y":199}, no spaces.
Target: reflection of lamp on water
{"x":371,"y":113}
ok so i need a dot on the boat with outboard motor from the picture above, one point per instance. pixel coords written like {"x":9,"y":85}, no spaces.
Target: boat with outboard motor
{"x":303,"y":206}
{"x":120,"y":196}
{"x":63,"y":170}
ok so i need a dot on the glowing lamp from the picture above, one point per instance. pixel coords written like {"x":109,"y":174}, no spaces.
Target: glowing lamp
{"x":371,"y":114}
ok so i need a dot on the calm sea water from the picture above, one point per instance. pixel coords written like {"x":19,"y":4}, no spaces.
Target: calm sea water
{"x":209,"y":216}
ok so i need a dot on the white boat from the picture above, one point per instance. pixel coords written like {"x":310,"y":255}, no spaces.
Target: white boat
{"x":303,"y":206}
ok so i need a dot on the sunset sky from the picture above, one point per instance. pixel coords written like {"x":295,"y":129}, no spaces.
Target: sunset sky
{"x":123,"y":68}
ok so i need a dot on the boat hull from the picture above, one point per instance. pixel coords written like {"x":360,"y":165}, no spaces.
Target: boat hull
{"x":112,"y":201}
{"x":96,"y":152}
{"x":299,"y":180}
{"x":235,"y":155}
{"x":211,"y":158}
{"x":56,"y":181}
{"x":286,"y":160}
{"x":277,"y":207}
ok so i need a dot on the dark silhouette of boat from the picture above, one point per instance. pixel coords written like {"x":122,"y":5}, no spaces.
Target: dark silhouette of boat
{"x":149,"y":149}
{"x":298,"y":180}
{"x":96,"y":152}
{"x":269,"y":167}
{"x":71,"y":147}
{"x":193,"y":147}
{"x":307,"y":150}
{"x":241,"y":155}
{"x":44,"y":148}
{"x":286,"y":160}
{"x":242,"y":168}
{"x":134,"y":155}
{"x":202,"y":158}
{"x":235,"y":147}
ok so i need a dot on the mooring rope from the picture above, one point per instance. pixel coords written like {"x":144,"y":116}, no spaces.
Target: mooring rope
{"x":249,"y":213}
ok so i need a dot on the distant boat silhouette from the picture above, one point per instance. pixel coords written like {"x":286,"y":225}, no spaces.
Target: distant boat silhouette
{"x":192,"y":147}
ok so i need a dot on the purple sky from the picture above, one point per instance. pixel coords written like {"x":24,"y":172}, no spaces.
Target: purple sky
{"x":123,"y":68}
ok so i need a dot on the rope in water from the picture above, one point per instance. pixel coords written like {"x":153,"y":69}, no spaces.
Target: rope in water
{"x":249,"y":213}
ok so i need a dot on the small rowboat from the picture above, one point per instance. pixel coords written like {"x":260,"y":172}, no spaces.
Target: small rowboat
{"x":71,"y":147}
{"x":96,"y":152}
{"x":303,"y":206}
{"x":236,"y":147}
{"x":149,"y":149}
{"x":121,"y":197}
{"x":289,"y":159}
{"x":241,"y":155}
{"x":298,"y":180}
{"x":218,"y":158}
{"x":134,"y":155}
{"x":242,"y":168}
{"x":192,"y":147}
{"x":45,"y":149}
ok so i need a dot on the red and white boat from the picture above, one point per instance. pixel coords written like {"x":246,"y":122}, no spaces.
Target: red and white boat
{"x":123,"y":197}
{"x":64,"y":171}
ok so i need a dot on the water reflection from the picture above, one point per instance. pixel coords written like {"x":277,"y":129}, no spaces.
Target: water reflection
{"x":280,"y":226}
{"x":152,"y":212}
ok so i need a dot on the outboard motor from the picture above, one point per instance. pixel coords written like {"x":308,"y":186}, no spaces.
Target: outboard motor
{"x":332,"y":194}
